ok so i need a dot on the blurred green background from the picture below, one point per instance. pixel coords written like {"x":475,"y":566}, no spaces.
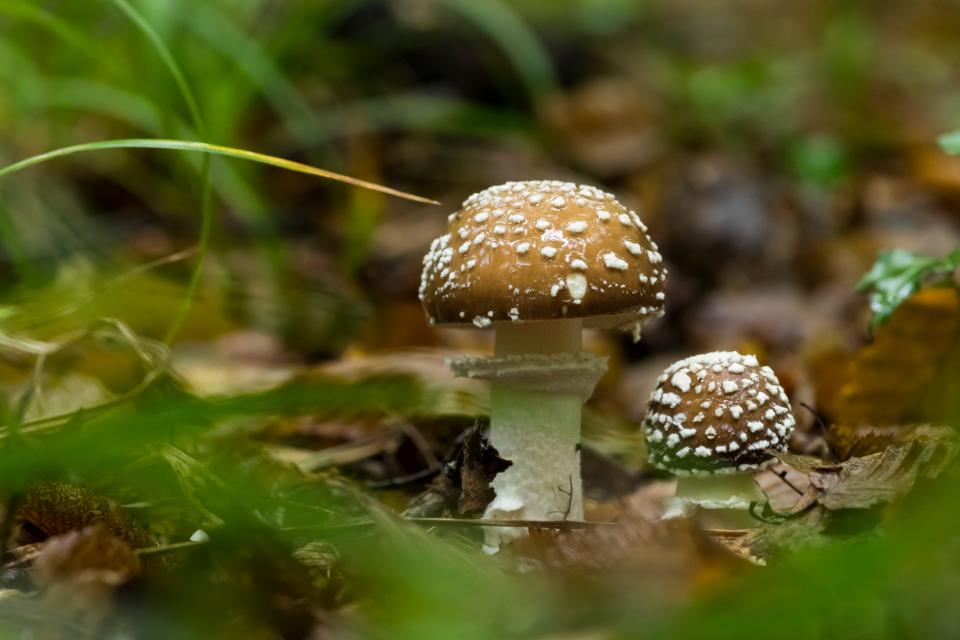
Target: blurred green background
{"x":188,"y":336}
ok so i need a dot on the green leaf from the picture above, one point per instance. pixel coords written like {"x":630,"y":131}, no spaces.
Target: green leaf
{"x":950,"y":142}
{"x":898,"y":274}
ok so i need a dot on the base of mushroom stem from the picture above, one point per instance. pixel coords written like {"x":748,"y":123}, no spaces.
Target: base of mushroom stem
{"x":718,"y":502}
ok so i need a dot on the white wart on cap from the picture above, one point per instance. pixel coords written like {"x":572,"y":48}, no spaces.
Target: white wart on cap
{"x":716,"y":413}
{"x":543,"y":250}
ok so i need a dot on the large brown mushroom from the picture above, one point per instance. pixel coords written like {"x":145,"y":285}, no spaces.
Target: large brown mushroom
{"x":537,"y":262}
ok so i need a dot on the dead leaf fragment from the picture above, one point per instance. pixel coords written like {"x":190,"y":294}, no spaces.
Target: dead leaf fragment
{"x":479,"y":463}
{"x":79,"y":571}
{"x":860,"y":483}
{"x":55,"y":508}
{"x":888,"y":377}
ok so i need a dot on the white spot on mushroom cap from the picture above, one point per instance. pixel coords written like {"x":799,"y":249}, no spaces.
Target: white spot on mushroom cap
{"x":615,"y":262}
{"x":670,"y":399}
{"x":579,"y":265}
{"x":681,"y":380}
{"x":577,"y":285}
{"x":523,"y":247}
{"x":577,"y":226}
{"x":548,"y":252}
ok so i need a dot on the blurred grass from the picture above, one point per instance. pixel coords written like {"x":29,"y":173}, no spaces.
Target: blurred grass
{"x":331,"y":84}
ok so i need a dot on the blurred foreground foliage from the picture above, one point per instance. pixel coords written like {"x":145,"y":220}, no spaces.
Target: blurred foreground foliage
{"x":297,"y":464}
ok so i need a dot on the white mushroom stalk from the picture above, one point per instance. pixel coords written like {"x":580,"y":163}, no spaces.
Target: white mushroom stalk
{"x":540,"y":380}
{"x":722,"y":502}
{"x":538,"y":262}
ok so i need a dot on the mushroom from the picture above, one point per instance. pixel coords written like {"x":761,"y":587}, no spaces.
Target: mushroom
{"x":711,"y":421}
{"x":538,"y":262}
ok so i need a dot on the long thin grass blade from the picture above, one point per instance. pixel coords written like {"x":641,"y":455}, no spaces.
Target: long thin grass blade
{"x":213,"y":149}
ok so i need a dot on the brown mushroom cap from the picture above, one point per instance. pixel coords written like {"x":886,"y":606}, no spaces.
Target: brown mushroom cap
{"x":543,"y":250}
{"x":716,"y":413}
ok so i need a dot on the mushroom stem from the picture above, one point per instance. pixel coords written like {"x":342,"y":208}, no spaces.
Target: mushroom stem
{"x":721,"y":501}
{"x":550,"y":337}
{"x":540,"y":379}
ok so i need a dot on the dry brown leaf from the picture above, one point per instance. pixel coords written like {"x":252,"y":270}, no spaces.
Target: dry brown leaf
{"x":87,"y":557}
{"x":891,"y":462}
{"x":889,"y":376}
{"x":79,"y":571}
{"x":463,"y":487}
{"x":479,"y":463}
{"x":742,"y":543}
{"x":858,"y":441}
{"x":56,"y":508}
{"x":860,"y":483}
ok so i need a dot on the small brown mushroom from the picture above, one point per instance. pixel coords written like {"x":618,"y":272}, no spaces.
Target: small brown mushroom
{"x":717,"y":414}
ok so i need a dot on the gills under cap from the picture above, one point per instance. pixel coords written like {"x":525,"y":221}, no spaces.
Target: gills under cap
{"x":543,"y":250}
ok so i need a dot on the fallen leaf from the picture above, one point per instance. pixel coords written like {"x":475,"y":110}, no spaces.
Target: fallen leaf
{"x":79,"y":571}
{"x":888,"y":377}
{"x":860,"y":483}
{"x":92,"y":556}
{"x":849,"y":441}
{"x":463,"y":486}
{"x":54,"y":508}
{"x":479,"y":463}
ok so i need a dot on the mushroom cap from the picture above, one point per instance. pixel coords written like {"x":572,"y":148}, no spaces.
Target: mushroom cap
{"x":543,"y":250}
{"x":716,"y":413}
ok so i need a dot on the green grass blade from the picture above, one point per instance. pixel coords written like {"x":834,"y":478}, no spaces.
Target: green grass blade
{"x":249,"y":56}
{"x":212,"y":149}
{"x":502,"y":25}
{"x":206,"y":208}
{"x":31,"y":12}
{"x":168,"y":60}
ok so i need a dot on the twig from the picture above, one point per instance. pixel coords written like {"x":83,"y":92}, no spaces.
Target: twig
{"x":167,"y":548}
{"x":466,"y":522}
{"x":400,"y":481}
{"x":782,"y":474}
